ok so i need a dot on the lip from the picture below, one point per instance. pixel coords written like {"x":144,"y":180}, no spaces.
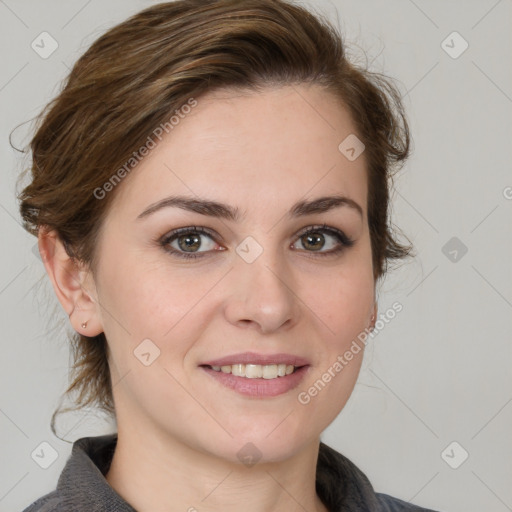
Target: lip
{"x":254,"y":358}
{"x":259,"y":388}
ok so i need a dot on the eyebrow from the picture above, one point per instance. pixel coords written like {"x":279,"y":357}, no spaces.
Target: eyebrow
{"x":225,"y":211}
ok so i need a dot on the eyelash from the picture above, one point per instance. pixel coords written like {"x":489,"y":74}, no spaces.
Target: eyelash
{"x":345,"y":242}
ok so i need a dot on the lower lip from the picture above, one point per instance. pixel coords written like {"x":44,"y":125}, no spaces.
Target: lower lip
{"x":259,"y":387}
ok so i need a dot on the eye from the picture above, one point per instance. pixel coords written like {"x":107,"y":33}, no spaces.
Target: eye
{"x":186,"y":242}
{"x":313,"y":240}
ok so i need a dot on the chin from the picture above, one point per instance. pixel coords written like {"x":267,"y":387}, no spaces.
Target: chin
{"x":261,"y":445}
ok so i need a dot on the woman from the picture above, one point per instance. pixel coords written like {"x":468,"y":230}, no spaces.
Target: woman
{"x":210,"y":195}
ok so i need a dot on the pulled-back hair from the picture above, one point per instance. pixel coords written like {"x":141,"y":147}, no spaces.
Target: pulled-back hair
{"x":135,"y":76}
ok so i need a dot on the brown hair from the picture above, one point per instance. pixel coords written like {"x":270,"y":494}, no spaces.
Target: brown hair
{"x":134,"y":76}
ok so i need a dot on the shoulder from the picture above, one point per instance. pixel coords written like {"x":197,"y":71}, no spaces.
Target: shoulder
{"x":389,"y":504}
{"x":343,"y":486}
{"x":48,"y":503}
{"x":81,"y":476}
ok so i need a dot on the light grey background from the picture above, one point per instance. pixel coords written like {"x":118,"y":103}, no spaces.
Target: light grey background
{"x":440,"y":371}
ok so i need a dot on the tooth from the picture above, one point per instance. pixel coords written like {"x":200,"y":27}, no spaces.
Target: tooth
{"x":256,"y":371}
{"x":238,"y":370}
{"x":270,"y":371}
{"x":253,"y":371}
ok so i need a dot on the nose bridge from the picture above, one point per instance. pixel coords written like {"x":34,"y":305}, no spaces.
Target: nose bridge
{"x":263,"y":287}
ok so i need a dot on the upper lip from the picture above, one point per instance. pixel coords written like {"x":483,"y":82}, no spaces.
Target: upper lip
{"x":262,"y":359}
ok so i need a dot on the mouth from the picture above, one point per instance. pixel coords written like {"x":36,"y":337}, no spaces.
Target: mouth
{"x":257,"y":381}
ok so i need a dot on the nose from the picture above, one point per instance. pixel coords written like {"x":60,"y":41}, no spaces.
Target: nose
{"x":262,"y":294}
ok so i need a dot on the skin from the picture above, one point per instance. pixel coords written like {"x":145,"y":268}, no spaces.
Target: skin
{"x":179,"y":430}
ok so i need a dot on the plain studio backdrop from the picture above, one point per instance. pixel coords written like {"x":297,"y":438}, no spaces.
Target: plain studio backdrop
{"x":430,"y":418}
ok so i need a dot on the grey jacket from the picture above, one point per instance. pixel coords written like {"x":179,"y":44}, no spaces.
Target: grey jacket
{"x":82,"y":486}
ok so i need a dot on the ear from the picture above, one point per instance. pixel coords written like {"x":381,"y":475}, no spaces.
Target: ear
{"x":73,"y":284}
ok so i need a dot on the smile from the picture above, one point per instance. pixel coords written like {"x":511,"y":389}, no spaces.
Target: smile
{"x":269,"y":384}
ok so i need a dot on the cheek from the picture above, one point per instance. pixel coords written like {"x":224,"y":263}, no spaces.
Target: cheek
{"x":346,"y":307}
{"x":342,"y":298}
{"x":147,"y":298}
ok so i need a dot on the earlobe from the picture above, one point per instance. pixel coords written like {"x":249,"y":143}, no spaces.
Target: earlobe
{"x":373,"y":317}
{"x":72,"y":284}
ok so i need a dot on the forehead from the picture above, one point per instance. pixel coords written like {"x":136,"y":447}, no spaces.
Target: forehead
{"x":276,"y":145}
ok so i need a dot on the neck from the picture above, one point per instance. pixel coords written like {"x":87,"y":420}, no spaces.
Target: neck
{"x":164,"y":474}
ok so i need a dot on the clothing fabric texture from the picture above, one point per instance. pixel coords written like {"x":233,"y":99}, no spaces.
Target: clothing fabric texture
{"x":82,"y":486}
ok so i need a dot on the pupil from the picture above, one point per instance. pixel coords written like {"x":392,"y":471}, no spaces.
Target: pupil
{"x":196,"y":242}
{"x":315,"y":238}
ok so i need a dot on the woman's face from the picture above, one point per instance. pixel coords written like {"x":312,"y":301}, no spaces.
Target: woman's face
{"x":258,"y":284}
